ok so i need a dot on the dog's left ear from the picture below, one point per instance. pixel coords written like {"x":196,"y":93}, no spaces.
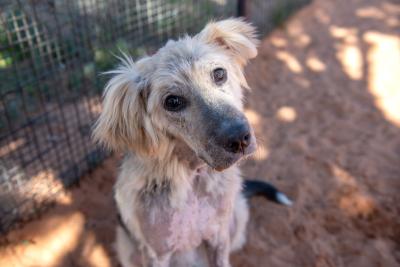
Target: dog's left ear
{"x":234,"y":35}
{"x":124,"y":123}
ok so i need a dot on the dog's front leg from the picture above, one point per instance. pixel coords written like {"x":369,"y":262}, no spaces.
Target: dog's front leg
{"x":218,"y":251}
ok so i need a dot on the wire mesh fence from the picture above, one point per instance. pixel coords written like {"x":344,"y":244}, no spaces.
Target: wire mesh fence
{"x":51,"y":53}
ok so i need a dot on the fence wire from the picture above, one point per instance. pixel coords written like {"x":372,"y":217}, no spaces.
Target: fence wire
{"x":51,"y":52}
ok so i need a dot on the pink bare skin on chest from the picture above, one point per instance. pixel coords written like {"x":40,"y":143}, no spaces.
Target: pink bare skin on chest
{"x":183,"y":228}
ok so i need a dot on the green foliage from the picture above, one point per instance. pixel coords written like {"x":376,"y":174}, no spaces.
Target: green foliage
{"x":89,"y":70}
{"x":5,"y":60}
{"x":104,"y":60}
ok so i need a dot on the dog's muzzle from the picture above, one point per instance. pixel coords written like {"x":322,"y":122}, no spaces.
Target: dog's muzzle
{"x":231,"y":139}
{"x":235,"y":137}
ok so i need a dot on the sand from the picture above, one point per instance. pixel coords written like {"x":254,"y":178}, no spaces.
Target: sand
{"x":325,"y":105}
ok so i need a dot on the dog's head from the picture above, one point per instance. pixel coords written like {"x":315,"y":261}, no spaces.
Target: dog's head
{"x":190,"y":90}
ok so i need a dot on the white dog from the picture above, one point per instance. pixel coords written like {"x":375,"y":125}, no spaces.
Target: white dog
{"x":179,"y":116}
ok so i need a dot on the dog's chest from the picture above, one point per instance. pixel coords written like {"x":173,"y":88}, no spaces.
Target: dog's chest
{"x":199,"y":218}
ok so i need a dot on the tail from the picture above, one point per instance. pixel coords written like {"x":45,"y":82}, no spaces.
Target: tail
{"x":259,"y":188}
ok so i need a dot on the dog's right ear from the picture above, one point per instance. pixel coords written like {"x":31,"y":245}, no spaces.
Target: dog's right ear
{"x":235,"y":36}
{"x":124,"y":123}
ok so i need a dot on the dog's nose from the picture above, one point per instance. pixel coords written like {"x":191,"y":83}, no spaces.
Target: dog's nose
{"x":238,"y":145}
{"x":238,"y":139}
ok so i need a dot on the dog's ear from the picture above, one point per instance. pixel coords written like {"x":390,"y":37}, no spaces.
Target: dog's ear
{"x":124,"y":123}
{"x":234,"y":35}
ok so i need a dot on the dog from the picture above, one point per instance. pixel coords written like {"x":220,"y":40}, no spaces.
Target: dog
{"x":178,"y":115}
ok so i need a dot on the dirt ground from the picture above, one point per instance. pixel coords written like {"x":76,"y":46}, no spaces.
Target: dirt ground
{"x":325,"y":104}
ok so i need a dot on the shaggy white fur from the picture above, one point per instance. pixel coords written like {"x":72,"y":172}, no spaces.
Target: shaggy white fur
{"x":178,"y":209}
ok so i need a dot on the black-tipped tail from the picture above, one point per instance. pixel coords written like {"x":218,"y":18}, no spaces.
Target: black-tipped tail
{"x":259,"y":188}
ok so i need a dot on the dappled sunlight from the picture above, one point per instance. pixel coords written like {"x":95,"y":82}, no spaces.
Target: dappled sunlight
{"x":342,"y":33}
{"x":351,"y":198}
{"x":11,"y":146}
{"x":370,"y":12}
{"x":303,"y":40}
{"x":64,"y":198}
{"x":322,"y":16}
{"x":78,"y":231}
{"x":384,"y":73}
{"x":348,"y":51}
{"x":60,"y":235}
{"x":394,"y":10}
{"x":352,"y":61}
{"x":391,"y":7}
{"x":315,"y":64}
{"x":278,"y":41}
{"x":252,"y":116}
{"x":393,"y":22}
{"x":357,"y":204}
{"x":262,"y":152}
{"x":286,"y":114}
{"x":302,"y":82}
{"x":330,"y":143}
{"x":39,"y":190}
{"x":343,"y":177}
{"x":95,"y":105}
{"x":388,"y":13}
{"x":291,"y":62}
{"x":42,"y":186}
{"x":95,"y":253}
{"x":299,"y":35}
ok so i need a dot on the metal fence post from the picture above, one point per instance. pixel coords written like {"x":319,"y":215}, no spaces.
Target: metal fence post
{"x":241,"y":8}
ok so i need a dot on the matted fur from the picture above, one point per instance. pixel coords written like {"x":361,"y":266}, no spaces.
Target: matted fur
{"x":179,"y":210}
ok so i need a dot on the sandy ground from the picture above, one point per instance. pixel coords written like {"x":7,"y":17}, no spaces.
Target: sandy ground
{"x":326,"y":108}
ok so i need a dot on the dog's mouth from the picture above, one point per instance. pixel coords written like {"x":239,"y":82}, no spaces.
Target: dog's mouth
{"x":220,"y":160}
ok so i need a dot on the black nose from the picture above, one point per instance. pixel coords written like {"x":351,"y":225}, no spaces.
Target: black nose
{"x":238,"y":139}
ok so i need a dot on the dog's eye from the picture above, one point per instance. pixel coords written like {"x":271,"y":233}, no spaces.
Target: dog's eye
{"x":219,"y":76}
{"x":175,"y":103}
